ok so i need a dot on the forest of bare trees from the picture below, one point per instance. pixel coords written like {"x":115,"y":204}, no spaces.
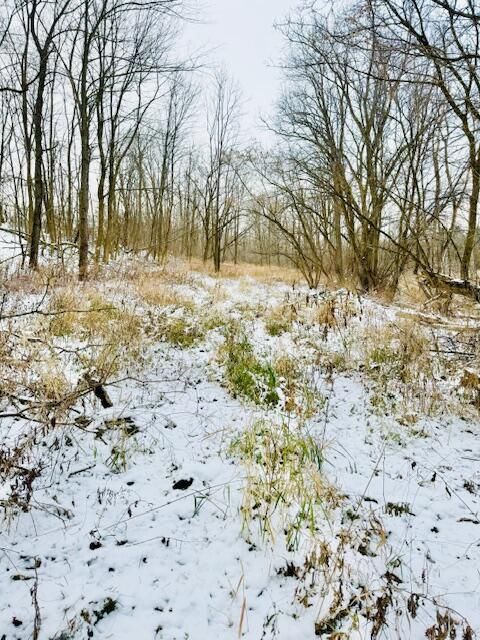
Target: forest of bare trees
{"x":373,"y":168}
{"x":239,"y":396}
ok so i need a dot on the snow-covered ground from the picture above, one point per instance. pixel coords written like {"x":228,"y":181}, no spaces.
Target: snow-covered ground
{"x":134,"y":523}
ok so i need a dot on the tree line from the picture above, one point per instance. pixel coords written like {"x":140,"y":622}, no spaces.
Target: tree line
{"x":373,"y":165}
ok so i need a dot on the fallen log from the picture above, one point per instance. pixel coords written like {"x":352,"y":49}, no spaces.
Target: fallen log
{"x":456,"y":286}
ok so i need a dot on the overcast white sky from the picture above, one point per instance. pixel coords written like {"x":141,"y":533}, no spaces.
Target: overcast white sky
{"x":239,"y":36}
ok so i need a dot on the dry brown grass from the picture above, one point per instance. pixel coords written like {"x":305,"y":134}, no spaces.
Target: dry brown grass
{"x":280,"y":319}
{"x":325,"y":313}
{"x":217,"y":291}
{"x":404,"y":373}
{"x":25,"y":284}
{"x":74,"y":314}
{"x":112,"y":336}
{"x":51,"y":384}
{"x":156,"y":292}
{"x":262,"y":273}
{"x":469,"y":387}
{"x":37,"y":282}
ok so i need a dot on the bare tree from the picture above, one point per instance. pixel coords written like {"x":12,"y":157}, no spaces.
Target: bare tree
{"x":45,"y":25}
{"x":446,"y":34}
{"x":221,"y":172}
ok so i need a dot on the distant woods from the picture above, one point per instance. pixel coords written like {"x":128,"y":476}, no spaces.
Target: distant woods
{"x":381,"y":141}
{"x":372,"y":166}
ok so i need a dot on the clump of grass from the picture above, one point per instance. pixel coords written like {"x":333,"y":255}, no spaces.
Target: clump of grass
{"x":101,"y":314}
{"x":106,"y":609}
{"x":176,"y":330}
{"x":51,"y":383}
{"x":279,"y":320}
{"x":121,"y":452}
{"x":218,"y":292}
{"x":334,"y":361}
{"x":399,"y":351}
{"x":91,"y":315}
{"x":250,"y":310}
{"x":325,"y":313}
{"x":333,"y":311}
{"x":156,"y":293}
{"x":103,"y":362}
{"x":397,"y":359}
{"x":277,"y":326}
{"x":285,"y":489}
{"x":245,"y":374}
{"x":287,"y":368}
{"x":288,"y":372}
{"x":112,"y":337}
{"x":108,"y":606}
{"x":398,"y":508}
{"x":469,"y":387}
{"x":299,"y":396}
{"x":213,"y":320}
{"x":182,"y":334}
{"x":63,"y":304}
{"x":278,"y":383}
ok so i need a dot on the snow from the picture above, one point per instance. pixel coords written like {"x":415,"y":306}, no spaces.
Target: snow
{"x":176,"y":563}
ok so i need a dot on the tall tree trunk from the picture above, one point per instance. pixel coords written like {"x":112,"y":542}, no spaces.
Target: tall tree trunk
{"x":337,"y":218}
{"x":472,"y":213}
{"x":85,"y":158}
{"x":38,"y":169}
